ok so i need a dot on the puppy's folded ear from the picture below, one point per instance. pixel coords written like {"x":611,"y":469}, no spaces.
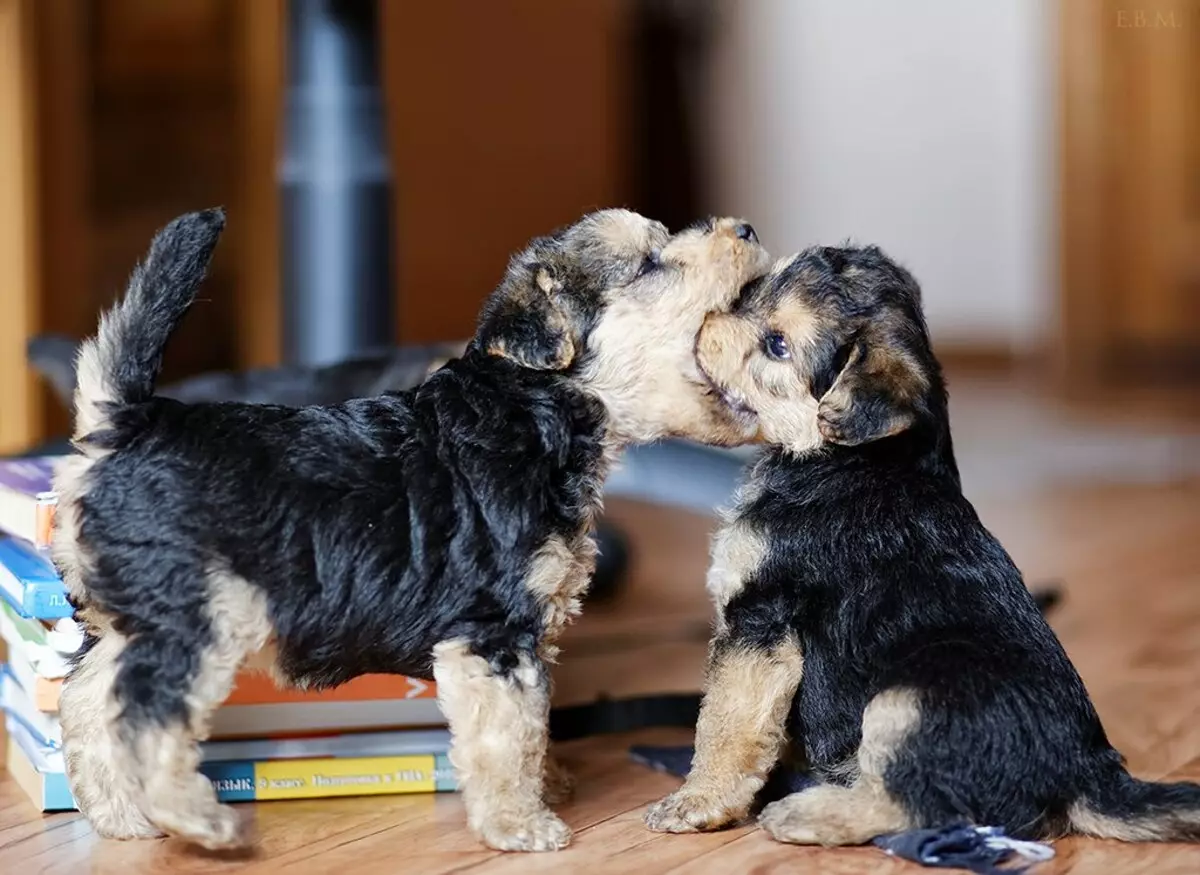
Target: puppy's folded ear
{"x":525,"y":321}
{"x":874,"y":396}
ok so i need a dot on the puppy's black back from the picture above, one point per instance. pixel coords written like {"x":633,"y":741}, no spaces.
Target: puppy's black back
{"x":425,"y":505}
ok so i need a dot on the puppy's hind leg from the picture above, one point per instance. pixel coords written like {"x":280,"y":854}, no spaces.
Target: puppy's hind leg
{"x":833,"y":815}
{"x":170,"y":679}
{"x":500,"y":723}
{"x":107,"y":795}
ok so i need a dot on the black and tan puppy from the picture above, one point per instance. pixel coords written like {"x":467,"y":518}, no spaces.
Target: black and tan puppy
{"x":442,"y":532}
{"x":865,"y":615}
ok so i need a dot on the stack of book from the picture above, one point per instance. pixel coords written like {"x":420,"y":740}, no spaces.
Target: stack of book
{"x":377,"y":734}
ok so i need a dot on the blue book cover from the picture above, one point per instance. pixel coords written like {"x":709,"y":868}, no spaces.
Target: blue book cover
{"x":29,"y":582}
{"x":37,"y":769}
{"x":56,"y":793}
{"x":234,"y":782}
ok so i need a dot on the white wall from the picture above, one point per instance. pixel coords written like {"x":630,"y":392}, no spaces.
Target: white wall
{"x":925,"y":126}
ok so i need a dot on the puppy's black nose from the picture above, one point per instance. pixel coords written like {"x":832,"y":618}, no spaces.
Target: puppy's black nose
{"x":745,"y":232}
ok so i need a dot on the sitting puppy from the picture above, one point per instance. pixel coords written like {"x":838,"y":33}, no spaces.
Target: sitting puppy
{"x":441,"y":532}
{"x":865,"y":612}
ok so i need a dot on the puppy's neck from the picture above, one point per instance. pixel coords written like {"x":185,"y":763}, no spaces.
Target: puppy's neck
{"x":926,"y":447}
{"x":584,"y":414}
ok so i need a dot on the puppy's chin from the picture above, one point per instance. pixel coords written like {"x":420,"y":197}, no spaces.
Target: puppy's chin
{"x":732,"y":408}
{"x":742,"y":418}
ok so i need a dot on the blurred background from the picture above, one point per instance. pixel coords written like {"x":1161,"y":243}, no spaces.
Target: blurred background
{"x":1035,"y":163}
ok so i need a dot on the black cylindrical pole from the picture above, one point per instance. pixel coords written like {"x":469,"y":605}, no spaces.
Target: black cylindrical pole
{"x":336,"y":186}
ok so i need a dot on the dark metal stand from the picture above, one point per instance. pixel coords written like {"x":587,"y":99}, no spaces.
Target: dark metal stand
{"x":336,"y":186}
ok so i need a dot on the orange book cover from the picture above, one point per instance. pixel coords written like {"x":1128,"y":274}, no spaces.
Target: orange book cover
{"x":256,"y":688}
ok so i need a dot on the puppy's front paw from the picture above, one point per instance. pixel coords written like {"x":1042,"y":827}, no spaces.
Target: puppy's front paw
{"x":540,"y":831}
{"x":213,"y":827}
{"x":230,"y":830}
{"x":690,"y":811}
{"x":122,"y":824}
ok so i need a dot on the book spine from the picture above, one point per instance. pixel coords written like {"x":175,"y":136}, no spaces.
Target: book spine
{"x":245,"y":781}
{"x":248,"y":782}
{"x":43,"y":520}
{"x":49,"y":791}
{"x":18,"y":704}
{"x":56,"y":793}
{"x":47,"y":602}
{"x":18,"y":630}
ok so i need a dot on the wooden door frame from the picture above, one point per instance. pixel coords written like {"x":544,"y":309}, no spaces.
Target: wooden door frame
{"x":1082,"y":190}
{"x":20,"y":281}
{"x":262,"y":63}
{"x":1122,"y":166}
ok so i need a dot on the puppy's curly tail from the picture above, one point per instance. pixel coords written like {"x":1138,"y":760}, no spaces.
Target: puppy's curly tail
{"x":120,"y":364}
{"x":1130,"y":810}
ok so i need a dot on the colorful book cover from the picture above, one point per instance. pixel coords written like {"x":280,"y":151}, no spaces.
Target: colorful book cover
{"x":255,"y":689}
{"x":402,"y":742}
{"x":251,"y":721}
{"x":245,"y":781}
{"x":29,"y":582}
{"x":27,"y":499}
{"x":27,"y":630}
{"x":42,"y":692}
{"x":301,"y":718}
{"x":49,"y":650}
{"x":39,"y":772}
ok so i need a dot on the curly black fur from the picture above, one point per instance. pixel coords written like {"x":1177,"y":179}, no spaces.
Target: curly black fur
{"x":377,"y":527}
{"x":880,"y":568}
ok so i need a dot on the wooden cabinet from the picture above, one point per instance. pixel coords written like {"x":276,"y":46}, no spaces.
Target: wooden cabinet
{"x":1130,"y":171}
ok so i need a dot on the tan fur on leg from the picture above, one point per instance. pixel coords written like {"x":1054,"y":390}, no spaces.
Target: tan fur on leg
{"x":737,"y":552}
{"x":107,"y":794}
{"x":558,"y":577}
{"x":739,"y":737}
{"x":834,"y":815}
{"x":500,"y":729}
{"x":176,"y":797}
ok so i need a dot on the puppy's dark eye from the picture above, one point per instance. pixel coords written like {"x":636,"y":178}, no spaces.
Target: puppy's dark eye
{"x":651,"y":264}
{"x":776,"y":346}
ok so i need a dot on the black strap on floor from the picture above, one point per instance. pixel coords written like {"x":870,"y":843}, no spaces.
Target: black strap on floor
{"x":624,"y":715}
{"x":675,"y":710}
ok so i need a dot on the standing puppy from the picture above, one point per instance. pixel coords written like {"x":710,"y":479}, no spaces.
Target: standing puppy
{"x":445,"y":531}
{"x":864,"y":610}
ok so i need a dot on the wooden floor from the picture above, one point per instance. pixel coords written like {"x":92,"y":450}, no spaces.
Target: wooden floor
{"x":1128,"y":556}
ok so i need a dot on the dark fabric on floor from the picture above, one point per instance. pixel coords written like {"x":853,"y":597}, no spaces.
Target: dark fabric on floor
{"x":982,"y":850}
